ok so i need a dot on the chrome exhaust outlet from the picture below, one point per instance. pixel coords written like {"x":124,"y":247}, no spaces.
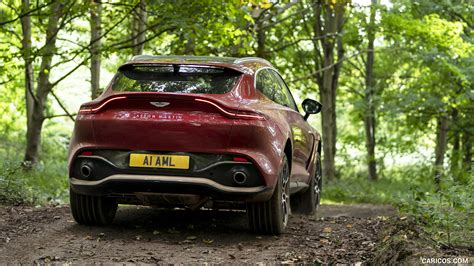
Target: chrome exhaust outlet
{"x":240,"y":177}
{"x":86,"y":170}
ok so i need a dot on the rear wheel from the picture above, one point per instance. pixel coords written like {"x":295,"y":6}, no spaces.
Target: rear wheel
{"x":308,"y":201}
{"x":92,"y":210}
{"x":271,"y":217}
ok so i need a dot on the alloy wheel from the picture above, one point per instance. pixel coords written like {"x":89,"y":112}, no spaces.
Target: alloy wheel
{"x":285,"y":194}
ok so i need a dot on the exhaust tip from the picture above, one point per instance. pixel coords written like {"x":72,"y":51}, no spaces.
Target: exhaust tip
{"x":240,"y":177}
{"x":86,"y":170}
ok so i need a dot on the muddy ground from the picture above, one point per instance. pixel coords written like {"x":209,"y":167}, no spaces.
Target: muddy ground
{"x":338,"y":234}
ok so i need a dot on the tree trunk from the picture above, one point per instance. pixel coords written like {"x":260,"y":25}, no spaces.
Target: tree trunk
{"x":34,"y":127}
{"x":328,"y":121}
{"x":139,"y":28}
{"x":260,"y":34}
{"x":369,"y":115}
{"x":190,"y":46}
{"x":261,"y":38}
{"x":456,"y":151}
{"x":440,"y":150}
{"x":467,"y":151}
{"x":26,"y":49}
{"x":95,"y":49}
{"x":329,"y":34}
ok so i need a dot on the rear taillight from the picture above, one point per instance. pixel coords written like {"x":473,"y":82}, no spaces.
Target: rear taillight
{"x":92,"y":109}
{"x":86,"y":153}
{"x":240,"y":159}
{"x":235,"y":114}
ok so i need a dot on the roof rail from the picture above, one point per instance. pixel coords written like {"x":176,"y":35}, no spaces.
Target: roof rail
{"x":241,"y":60}
{"x":140,"y":57}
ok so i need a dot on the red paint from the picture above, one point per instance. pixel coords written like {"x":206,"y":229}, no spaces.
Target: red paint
{"x":240,"y":159}
{"x":242,"y":122}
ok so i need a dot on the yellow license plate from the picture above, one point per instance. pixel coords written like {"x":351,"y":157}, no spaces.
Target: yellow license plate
{"x":159,"y":161}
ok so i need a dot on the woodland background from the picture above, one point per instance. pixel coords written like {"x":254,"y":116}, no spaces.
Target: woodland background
{"x":395,"y":78}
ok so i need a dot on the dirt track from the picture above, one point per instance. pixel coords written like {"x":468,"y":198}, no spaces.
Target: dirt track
{"x":339,"y":234}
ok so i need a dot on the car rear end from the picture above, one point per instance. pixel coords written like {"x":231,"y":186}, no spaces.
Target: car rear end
{"x":162,"y":134}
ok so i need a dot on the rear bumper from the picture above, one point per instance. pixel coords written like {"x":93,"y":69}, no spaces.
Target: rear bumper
{"x":161,"y":184}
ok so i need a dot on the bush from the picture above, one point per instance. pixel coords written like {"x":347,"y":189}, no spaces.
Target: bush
{"x":394,"y":187}
{"x":447,"y":214}
{"x":41,"y":185}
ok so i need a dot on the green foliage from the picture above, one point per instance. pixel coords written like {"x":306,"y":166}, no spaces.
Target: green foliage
{"x":424,"y":68}
{"x":447,"y":214}
{"x":394,"y":187}
{"x":45,"y":185}
{"x":47,"y":182}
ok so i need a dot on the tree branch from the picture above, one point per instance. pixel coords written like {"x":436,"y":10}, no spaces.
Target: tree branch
{"x":62,"y":105}
{"x":329,"y":35}
{"x":61,"y":115}
{"x":25,"y":13}
{"x":325,"y":68}
{"x":148,"y":39}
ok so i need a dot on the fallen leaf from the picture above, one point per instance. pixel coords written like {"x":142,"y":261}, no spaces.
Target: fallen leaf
{"x":327,"y":230}
{"x":403,"y":218}
{"x":386,"y":238}
{"x":208,"y":241}
{"x":324,"y":241}
{"x":349,"y":226}
{"x":138,"y":237}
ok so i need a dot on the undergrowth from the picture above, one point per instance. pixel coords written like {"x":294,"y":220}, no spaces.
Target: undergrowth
{"x":446,"y":213}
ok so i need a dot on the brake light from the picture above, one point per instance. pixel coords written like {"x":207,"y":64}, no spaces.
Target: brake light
{"x":86,"y":153}
{"x":88,"y":110}
{"x":249,"y":115}
{"x":240,"y":159}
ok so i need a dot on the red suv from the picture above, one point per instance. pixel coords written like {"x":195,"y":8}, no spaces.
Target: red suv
{"x":192,"y":132}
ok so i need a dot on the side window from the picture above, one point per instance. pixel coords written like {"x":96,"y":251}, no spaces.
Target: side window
{"x":284,"y":94}
{"x":266,"y":84}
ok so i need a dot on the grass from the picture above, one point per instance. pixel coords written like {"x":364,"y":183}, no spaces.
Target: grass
{"x":446,"y":214}
{"x":397,"y":185}
{"x":44,"y":184}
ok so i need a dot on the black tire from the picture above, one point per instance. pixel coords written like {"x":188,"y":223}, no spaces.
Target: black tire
{"x":92,"y":210}
{"x":308,"y":201}
{"x":271,"y":217}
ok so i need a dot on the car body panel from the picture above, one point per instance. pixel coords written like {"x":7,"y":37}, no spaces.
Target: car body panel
{"x":174,"y":122}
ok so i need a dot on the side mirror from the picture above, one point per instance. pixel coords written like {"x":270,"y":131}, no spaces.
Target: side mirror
{"x":311,"y":107}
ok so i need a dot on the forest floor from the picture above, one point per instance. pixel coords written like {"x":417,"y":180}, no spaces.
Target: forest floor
{"x":338,"y":234}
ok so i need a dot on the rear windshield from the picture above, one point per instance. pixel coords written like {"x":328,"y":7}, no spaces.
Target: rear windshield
{"x":175,"y":78}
